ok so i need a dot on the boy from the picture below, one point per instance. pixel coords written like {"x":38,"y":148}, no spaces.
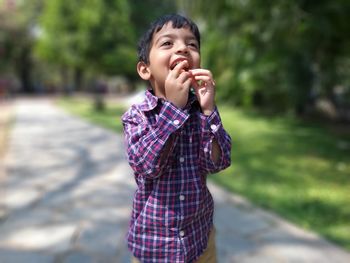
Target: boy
{"x":174,"y":138}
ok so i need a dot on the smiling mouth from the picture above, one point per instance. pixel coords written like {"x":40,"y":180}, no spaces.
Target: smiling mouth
{"x":176,"y":62}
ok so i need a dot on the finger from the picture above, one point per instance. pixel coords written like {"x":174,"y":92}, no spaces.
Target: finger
{"x":179,"y":68}
{"x":201,"y":72}
{"x":201,"y":75}
{"x":184,"y":76}
{"x":187,"y":83}
{"x":195,"y":83}
{"x":204,"y":80}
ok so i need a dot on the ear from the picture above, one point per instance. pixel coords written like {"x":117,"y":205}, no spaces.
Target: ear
{"x":143,"y":70}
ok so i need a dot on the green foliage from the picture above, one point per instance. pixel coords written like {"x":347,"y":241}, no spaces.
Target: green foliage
{"x":273,"y":53}
{"x":143,"y":12}
{"x":97,"y":36}
{"x":93,"y":35}
{"x":17,"y":37}
{"x":270,"y":54}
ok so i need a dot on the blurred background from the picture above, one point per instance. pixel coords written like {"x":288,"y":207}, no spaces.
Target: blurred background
{"x":280,"y":56}
{"x":282,"y":70}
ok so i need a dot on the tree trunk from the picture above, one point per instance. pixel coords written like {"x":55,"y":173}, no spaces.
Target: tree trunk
{"x":24,"y":70}
{"x":78,"y":79}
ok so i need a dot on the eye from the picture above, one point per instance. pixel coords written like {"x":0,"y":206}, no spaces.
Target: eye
{"x":166,"y":43}
{"x":193,"y":44}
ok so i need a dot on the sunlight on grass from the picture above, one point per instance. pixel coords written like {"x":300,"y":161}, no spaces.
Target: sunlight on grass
{"x":84,"y":107}
{"x":293,"y":168}
{"x":296,"y":169}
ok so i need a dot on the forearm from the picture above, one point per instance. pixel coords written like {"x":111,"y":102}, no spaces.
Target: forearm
{"x":164,"y":154}
{"x":148,"y":156}
{"x":148,"y":146}
{"x":216,"y":144}
{"x":215,"y":152}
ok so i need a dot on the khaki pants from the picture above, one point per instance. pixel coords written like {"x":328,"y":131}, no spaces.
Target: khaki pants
{"x":208,"y":256}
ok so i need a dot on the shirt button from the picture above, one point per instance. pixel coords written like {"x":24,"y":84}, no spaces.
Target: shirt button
{"x":182,"y":197}
{"x":176,"y":122}
{"x":213,"y":127}
{"x":182,"y":233}
{"x":182,"y":159}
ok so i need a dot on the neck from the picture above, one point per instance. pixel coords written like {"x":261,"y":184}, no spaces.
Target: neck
{"x":158,"y":91}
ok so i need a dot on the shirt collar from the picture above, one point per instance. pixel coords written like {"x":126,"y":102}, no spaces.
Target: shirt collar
{"x":151,"y":101}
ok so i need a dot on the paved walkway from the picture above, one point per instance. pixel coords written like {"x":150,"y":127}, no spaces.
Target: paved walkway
{"x":68,"y":193}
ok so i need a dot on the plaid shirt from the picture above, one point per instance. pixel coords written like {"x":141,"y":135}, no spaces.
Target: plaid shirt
{"x":169,"y":150}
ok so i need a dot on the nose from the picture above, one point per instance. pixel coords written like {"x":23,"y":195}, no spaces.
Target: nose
{"x":182,"y":48}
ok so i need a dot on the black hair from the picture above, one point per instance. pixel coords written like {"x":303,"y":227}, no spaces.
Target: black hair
{"x":178,"y":21}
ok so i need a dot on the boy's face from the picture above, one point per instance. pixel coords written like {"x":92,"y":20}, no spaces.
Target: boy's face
{"x":169,"y":47}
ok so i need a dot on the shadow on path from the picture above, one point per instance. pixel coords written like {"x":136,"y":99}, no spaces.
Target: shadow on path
{"x":68,"y":190}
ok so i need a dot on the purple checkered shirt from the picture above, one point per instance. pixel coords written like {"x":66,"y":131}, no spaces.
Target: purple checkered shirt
{"x":169,"y":150}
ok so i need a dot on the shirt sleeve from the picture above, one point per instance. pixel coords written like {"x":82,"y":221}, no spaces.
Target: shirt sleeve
{"x":145,"y":143}
{"x":211,"y":128}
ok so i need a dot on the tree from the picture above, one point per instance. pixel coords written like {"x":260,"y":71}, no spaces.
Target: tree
{"x":273,"y":53}
{"x":146,"y":11}
{"x":86,"y":35}
{"x":17,"y":38}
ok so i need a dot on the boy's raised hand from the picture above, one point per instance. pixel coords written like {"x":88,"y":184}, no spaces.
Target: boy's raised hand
{"x":177,"y":84}
{"x":204,"y":87}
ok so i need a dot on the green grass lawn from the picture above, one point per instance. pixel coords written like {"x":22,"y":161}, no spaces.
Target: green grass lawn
{"x":84,"y":107}
{"x":301,"y":171}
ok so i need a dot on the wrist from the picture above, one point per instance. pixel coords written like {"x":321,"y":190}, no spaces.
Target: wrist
{"x":208,"y":108}
{"x":207,"y":112}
